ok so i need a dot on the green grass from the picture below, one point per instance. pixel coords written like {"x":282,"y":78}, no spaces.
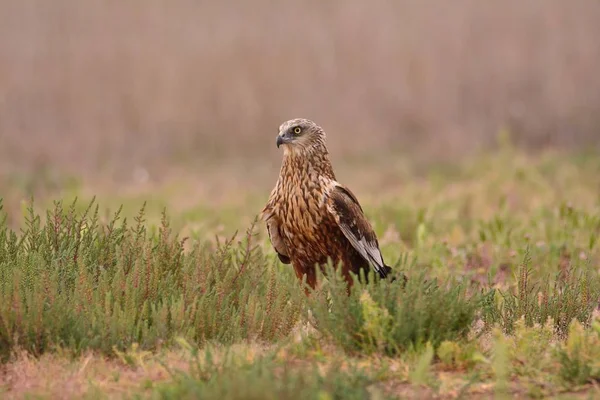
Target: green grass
{"x":502,"y":254}
{"x":266,"y":377}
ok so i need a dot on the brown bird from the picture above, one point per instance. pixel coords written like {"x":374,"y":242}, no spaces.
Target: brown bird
{"x":310,"y":217}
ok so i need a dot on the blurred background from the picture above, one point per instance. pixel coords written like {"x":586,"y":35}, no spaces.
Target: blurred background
{"x":142,"y":90}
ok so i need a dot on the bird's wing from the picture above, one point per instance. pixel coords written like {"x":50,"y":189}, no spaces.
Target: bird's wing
{"x":348,"y":214}
{"x":274,"y":231}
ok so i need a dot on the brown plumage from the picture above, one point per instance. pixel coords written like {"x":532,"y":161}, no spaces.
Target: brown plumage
{"x":310,"y":217}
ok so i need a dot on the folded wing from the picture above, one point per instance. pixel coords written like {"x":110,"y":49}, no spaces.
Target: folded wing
{"x":274,"y":230}
{"x":348,"y":214}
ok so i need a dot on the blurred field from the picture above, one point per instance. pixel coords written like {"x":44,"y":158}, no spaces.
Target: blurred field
{"x":129,"y":90}
{"x":503,"y":299}
{"x":469,"y":132}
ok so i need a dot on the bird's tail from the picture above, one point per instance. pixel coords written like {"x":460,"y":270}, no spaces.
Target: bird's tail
{"x":388,"y":272}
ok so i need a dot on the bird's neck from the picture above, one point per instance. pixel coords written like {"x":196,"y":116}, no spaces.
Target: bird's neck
{"x":308,"y":163}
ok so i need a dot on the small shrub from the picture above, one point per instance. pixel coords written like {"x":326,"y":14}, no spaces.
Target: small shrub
{"x":241,"y":376}
{"x":579,"y":357}
{"x":458,"y":356}
{"x":530,"y":349}
{"x":570,"y":297}
{"x":420,"y":374}
{"x":389,"y":317}
{"x":77,"y":283}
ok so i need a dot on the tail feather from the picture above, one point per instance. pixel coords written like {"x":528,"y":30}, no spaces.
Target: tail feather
{"x":388,"y":272}
{"x":383,"y":273}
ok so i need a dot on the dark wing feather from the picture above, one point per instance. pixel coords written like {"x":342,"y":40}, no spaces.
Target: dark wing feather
{"x":348,"y":214}
{"x":274,"y":230}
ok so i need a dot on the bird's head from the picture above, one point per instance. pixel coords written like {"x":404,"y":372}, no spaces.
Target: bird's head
{"x":300,"y":135}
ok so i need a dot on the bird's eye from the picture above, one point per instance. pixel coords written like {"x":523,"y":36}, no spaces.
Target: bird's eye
{"x":297,"y":130}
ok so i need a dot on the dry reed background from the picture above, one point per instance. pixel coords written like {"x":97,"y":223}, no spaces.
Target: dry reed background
{"x":102,"y":86}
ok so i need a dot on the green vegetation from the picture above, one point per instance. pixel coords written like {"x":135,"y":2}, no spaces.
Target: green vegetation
{"x":502,"y":297}
{"x":237,"y":376}
{"x":81,"y":284}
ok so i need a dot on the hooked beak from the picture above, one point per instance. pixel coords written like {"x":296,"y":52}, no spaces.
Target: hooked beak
{"x":282,"y":140}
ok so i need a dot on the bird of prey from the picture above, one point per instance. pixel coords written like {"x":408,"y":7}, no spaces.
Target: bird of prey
{"x":310,"y":217}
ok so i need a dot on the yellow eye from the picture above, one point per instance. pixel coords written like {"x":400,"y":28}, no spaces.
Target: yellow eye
{"x":297,"y":130}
